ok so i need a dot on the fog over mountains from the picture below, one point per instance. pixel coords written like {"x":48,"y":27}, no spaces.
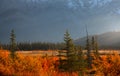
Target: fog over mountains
{"x":47,"y":20}
{"x":108,"y":40}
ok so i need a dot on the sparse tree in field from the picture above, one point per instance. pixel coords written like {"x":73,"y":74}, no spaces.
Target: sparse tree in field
{"x":88,"y":48}
{"x":69,"y":53}
{"x":81,"y":62}
{"x":74,"y":57}
{"x":95,"y":46}
{"x":93,"y":43}
{"x":12,"y":43}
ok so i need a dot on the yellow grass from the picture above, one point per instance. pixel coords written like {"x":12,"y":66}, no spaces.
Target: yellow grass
{"x":56,"y":52}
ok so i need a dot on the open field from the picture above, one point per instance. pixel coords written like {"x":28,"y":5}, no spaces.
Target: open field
{"x":39,"y":53}
{"x":56,"y":52}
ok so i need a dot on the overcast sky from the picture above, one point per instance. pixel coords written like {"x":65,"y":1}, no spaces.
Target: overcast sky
{"x":47,"y":20}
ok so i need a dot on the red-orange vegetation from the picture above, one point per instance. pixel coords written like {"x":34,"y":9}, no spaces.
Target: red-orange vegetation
{"x":27,"y":65}
{"x":108,"y":65}
{"x":23,"y":65}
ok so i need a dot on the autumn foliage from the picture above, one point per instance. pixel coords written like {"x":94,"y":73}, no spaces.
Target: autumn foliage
{"x":107,"y":65}
{"x":29,"y":65}
{"x":22,"y":65}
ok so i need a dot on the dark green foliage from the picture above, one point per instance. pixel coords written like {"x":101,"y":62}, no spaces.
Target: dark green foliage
{"x":74,"y":56}
{"x":93,"y":43}
{"x":69,"y":53}
{"x":89,"y":58}
{"x":40,"y":46}
{"x":82,"y":63}
{"x":70,"y":48}
{"x":95,"y":46}
{"x":1,"y":46}
{"x":12,"y":43}
{"x":88,"y":48}
{"x":36,"y":46}
{"x":5,"y":46}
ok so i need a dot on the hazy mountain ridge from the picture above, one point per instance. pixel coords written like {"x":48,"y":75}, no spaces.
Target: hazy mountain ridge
{"x":109,"y":40}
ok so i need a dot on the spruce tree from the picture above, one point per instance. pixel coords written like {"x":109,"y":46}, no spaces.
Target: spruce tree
{"x":95,"y":46}
{"x":93,"y":43}
{"x":12,"y":43}
{"x":73,"y":60}
{"x":69,"y":53}
{"x":81,"y":62}
{"x":88,"y":48}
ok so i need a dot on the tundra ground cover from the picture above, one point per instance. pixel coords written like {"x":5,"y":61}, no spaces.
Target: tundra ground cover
{"x":23,"y":65}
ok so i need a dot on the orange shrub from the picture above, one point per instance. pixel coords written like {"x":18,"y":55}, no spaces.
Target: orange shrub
{"x":108,"y":65}
{"x":23,"y":65}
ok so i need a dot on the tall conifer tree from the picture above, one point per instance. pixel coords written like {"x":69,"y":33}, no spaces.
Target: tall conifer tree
{"x":12,"y":43}
{"x":95,"y":46}
{"x":74,"y":58}
{"x":69,"y":53}
{"x":88,"y":48}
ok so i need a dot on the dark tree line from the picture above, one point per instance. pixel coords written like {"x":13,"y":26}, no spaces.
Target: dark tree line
{"x":23,"y":46}
{"x":35,"y":46}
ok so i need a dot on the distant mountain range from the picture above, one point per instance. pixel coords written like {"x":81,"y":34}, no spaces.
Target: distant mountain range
{"x":109,"y":40}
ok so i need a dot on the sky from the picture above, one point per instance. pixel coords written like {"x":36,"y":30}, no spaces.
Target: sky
{"x":47,"y":20}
